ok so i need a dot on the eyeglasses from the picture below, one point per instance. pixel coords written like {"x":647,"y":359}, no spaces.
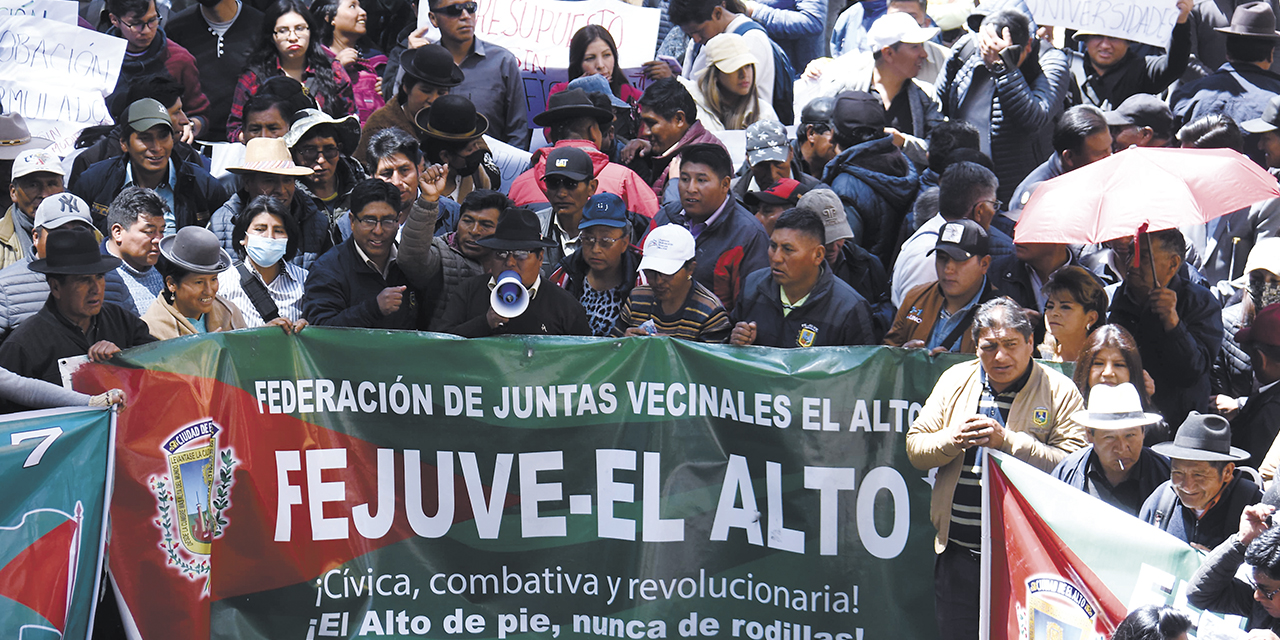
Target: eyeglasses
{"x":139,"y":27}
{"x":310,"y":154}
{"x":371,"y":223}
{"x":605,"y":242}
{"x":520,"y":256}
{"x":995,"y":204}
{"x":455,"y":10}
{"x":300,"y":30}
{"x":1266,"y":594}
{"x":556,"y":183}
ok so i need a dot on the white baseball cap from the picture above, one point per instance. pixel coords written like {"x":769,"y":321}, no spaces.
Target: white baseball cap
{"x":36,"y":161}
{"x":667,"y":248}
{"x":893,"y":28}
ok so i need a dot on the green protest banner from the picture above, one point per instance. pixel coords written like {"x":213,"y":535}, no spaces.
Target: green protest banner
{"x":54,"y":465}
{"x":345,"y":483}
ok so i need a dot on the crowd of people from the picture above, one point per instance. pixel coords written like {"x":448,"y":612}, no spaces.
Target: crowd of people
{"x":391,"y":177}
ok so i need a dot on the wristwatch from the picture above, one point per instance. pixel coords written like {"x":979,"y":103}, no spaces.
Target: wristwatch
{"x":998,"y":67}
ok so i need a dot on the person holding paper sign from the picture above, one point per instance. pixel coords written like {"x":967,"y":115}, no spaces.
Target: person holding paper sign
{"x":1109,"y":71}
{"x":289,"y":45}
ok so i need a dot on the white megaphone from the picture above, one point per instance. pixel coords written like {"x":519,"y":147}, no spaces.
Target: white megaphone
{"x":509,"y":297}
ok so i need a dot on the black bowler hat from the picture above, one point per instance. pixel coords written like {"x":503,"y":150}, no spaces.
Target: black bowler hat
{"x":1203,"y":437}
{"x":518,"y":230}
{"x":73,"y":251}
{"x":570,"y":104}
{"x":1252,"y":20}
{"x":451,"y":117}
{"x":432,"y":64}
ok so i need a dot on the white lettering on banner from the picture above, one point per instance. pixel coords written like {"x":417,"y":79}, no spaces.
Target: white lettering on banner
{"x":537,"y":33}
{"x":56,"y":75}
{"x":64,"y":11}
{"x":328,"y":502}
{"x":1146,"y":21}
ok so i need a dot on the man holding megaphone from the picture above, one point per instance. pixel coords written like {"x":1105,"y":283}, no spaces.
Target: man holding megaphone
{"x":512,"y":298}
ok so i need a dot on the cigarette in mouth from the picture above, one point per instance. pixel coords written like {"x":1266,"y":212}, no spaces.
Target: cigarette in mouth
{"x":1122,"y":465}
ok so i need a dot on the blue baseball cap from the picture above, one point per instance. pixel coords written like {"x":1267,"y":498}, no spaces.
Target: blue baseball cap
{"x":596,"y":83}
{"x":604,"y":210}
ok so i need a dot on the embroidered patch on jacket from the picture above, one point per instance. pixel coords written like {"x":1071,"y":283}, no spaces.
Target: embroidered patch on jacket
{"x":1040,"y":417}
{"x":807,"y":334}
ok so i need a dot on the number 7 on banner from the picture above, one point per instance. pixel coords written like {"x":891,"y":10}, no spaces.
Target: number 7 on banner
{"x":48,"y":435}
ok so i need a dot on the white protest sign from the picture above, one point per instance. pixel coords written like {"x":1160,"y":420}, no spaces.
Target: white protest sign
{"x":56,"y":75}
{"x":537,"y":32}
{"x":1147,"y":21}
{"x":59,"y":10}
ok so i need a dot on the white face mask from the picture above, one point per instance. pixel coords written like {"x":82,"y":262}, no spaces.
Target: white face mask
{"x":265,"y":251}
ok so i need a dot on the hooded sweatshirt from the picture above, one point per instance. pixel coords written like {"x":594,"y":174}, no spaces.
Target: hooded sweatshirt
{"x":877,"y":185}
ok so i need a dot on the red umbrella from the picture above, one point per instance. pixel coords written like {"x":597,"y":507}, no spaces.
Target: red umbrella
{"x":1162,"y":188}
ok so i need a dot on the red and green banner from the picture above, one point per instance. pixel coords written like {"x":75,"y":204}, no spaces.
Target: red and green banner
{"x":1064,"y":565}
{"x":55,"y":467}
{"x":360,"y":484}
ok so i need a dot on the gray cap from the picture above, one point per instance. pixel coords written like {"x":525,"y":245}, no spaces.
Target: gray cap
{"x":827,"y":205}
{"x":59,"y":209}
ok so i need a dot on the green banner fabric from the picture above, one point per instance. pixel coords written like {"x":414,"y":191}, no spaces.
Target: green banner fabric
{"x":346,"y":483}
{"x":54,"y":465}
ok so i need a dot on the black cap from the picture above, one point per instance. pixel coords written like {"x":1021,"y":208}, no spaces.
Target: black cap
{"x":962,"y":239}
{"x":570,"y":162}
{"x":1143,"y":110}
{"x":855,"y":109}
{"x":818,"y":111}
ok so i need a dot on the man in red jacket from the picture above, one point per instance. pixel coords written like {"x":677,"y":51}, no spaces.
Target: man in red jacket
{"x":572,"y":120}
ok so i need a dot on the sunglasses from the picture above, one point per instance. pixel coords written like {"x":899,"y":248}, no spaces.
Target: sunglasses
{"x":455,"y":10}
{"x":555,"y":183}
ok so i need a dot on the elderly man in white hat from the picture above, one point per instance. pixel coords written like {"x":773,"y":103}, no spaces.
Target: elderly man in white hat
{"x":268,"y":170}
{"x":1205,"y":495}
{"x":36,"y":174}
{"x":1115,"y":468}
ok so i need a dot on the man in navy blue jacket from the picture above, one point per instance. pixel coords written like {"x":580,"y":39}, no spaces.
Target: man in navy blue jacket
{"x":359,"y":283}
{"x":797,"y":301}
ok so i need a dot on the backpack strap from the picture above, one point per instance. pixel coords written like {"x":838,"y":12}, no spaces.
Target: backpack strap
{"x":258,"y":294}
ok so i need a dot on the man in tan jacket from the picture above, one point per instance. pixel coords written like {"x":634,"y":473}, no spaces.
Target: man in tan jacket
{"x":1003,"y":401}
